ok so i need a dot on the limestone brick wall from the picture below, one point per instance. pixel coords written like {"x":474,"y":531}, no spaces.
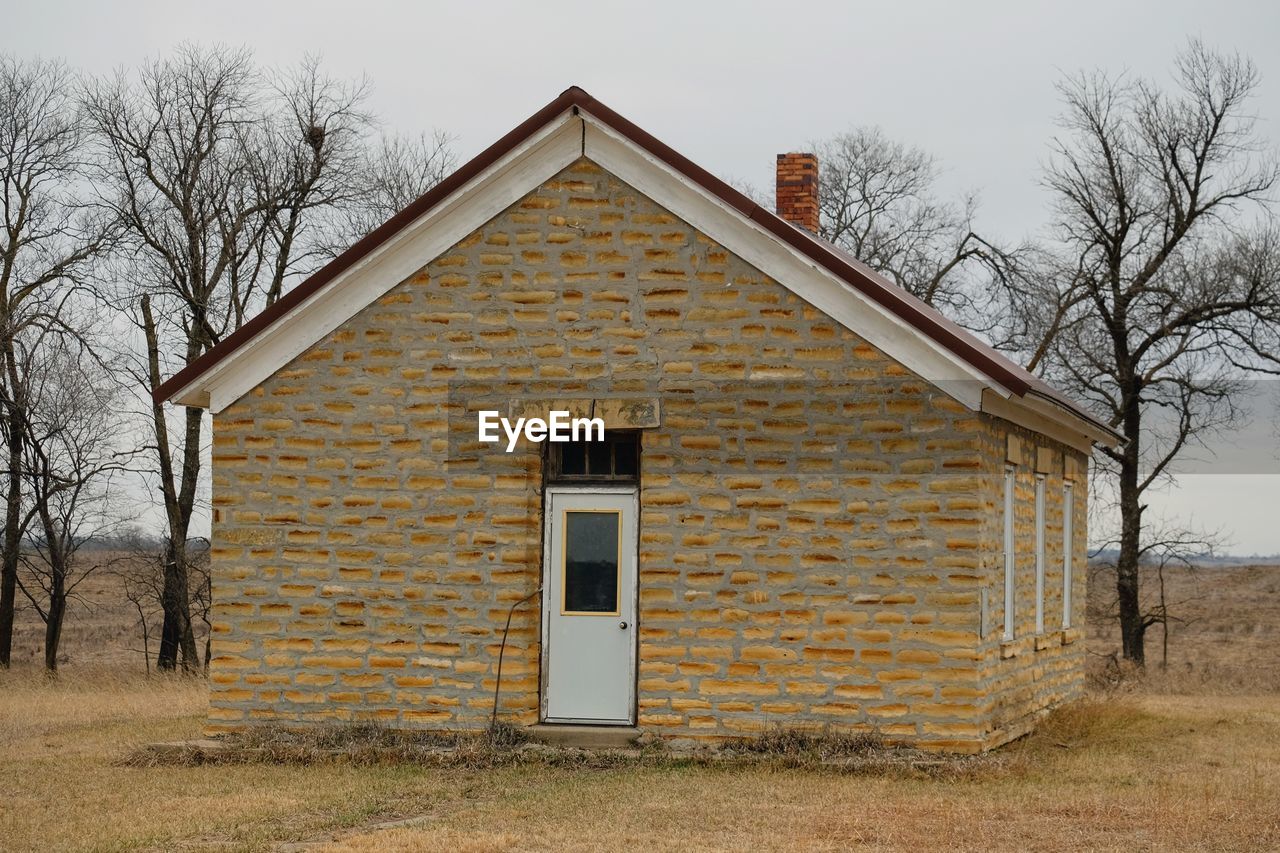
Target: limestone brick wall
{"x":813,"y":517}
{"x":1036,"y":670}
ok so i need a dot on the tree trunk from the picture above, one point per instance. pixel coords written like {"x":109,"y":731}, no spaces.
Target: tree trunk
{"x":53,"y":624}
{"x":177,"y":641}
{"x":171,"y":603}
{"x":146,"y":631}
{"x":16,"y":414}
{"x":12,"y":535}
{"x":1132,"y":628}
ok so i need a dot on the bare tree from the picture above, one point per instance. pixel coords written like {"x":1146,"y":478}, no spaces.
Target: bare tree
{"x":1166,"y":544}
{"x":1167,"y":292}
{"x":392,"y":174}
{"x":46,"y":244}
{"x":1182,"y":549}
{"x":311,"y":152}
{"x":74,"y":466}
{"x":140,"y":571}
{"x":878,"y":201}
{"x":213,"y":170}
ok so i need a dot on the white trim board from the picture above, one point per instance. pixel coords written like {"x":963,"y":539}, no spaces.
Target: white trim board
{"x":1038,"y":417}
{"x":540,"y":158}
{"x":820,"y":288}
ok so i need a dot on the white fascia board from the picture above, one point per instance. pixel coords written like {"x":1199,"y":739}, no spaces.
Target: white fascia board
{"x":1049,"y":408}
{"x":816,"y":285}
{"x":1050,"y":421}
{"x":541,"y":157}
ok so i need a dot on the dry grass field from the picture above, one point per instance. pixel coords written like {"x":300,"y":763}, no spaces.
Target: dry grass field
{"x":102,"y":626}
{"x":1188,"y":759}
{"x":1224,"y":636}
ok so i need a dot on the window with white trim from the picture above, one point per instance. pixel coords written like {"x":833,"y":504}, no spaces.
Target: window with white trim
{"x":1068,"y":512}
{"x":1040,"y":483}
{"x":1008,"y":552}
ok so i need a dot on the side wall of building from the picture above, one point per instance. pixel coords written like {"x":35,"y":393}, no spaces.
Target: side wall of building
{"x":1041,"y":666}
{"x":812,"y":515}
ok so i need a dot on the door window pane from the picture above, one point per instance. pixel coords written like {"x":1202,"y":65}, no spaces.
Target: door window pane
{"x":591,"y":561}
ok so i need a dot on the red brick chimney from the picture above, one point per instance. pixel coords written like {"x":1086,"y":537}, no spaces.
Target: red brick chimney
{"x":797,"y":198}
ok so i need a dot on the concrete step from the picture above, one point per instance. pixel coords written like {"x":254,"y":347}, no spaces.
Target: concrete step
{"x":585,"y":737}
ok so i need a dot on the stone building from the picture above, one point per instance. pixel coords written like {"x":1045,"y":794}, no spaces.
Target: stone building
{"x":817,"y":500}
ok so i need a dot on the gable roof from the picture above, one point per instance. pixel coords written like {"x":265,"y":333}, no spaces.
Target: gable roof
{"x":576,"y":125}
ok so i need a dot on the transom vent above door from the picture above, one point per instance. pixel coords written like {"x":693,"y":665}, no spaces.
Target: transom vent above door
{"x":616,"y":459}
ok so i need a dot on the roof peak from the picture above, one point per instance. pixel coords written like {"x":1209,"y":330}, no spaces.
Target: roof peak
{"x":896,"y":301}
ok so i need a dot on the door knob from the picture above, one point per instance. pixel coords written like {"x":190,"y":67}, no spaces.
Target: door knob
{"x":622,"y":625}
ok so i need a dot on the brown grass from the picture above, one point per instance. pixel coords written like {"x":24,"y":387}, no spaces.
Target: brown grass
{"x":1150,"y":772}
{"x":1223,"y":638}
{"x":1141,"y":768}
{"x":808,"y":743}
{"x":101,"y":630}
{"x":505,"y":745}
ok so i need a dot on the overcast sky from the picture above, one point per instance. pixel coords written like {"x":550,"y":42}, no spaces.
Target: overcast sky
{"x":730,"y":85}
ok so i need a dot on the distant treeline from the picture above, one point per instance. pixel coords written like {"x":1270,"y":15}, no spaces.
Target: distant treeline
{"x":1108,"y":557}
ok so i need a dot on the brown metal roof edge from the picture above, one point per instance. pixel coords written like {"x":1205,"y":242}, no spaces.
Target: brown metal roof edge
{"x":885,"y":293}
{"x":895,"y":299}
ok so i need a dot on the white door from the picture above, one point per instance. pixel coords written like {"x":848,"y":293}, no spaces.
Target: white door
{"x":589,"y":603}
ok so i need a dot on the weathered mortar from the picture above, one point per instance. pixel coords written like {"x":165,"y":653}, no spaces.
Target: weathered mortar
{"x":815,"y":521}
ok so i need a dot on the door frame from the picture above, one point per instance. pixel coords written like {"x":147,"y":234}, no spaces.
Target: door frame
{"x":544,"y":655}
